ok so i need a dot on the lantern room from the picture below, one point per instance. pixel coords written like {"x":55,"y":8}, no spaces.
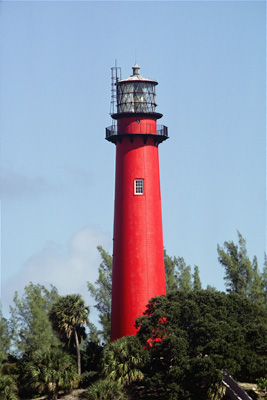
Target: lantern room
{"x":136,"y":95}
{"x":133,"y":106}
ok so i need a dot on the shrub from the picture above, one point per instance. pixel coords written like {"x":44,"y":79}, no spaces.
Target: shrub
{"x":123,"y":360}
{"x":8,"y":388}
{"x":106,"y":389}
{"x":262,"y":384}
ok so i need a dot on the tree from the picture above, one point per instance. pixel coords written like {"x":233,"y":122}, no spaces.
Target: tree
{"x":197,"y":334}
{"x":93,"y":333}
{"x":196,"y":279}
{"x":264,"y":280}
{"x":101,"y":292}
{"x":68,"y":316}
{"x":50,"y":371}
{"x":4,"y":337}
{"x":8,"y":387}
{"x":238,"y":268}
{"x":106,"y":389}
{"x":123,"y":360}
{"x":262,"y":385}
{"x":91,"y":362}
{"x":241,"y":275}
{"x":256,"y":290}
{"x":178,"y":275}
{"x":29,"y":323}
{"x":183,"y":275}
{"x":171,"y":279}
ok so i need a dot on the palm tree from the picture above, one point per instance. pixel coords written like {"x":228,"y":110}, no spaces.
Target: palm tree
{"x":51,"y":370}
{"x":123,"y":360}
{"x":106,"y":389}
{"x":8,"y":387}
{"x":68,"y":317}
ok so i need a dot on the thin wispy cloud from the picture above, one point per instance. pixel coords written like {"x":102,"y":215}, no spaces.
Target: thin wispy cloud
{"x":67,"y":267}
{"x":16,"y":185}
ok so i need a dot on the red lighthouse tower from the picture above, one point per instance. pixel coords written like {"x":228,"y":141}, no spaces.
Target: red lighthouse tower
{"x":138,"y":260}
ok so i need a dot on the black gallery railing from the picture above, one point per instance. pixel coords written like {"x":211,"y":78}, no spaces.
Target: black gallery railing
{"x":162,"y":130}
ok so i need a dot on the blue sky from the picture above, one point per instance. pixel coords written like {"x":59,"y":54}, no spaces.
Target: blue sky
{"x":57,"y":170}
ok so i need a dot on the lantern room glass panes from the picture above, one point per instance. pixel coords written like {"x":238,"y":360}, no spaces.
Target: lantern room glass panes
{"x":136,"y":97}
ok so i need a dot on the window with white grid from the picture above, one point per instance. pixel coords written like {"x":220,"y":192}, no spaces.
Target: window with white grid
{"x":139,"y":186}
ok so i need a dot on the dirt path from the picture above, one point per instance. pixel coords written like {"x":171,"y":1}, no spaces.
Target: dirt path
{"x":77,"y":394}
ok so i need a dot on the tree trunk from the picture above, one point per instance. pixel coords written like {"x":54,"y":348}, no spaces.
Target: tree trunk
{"x":52,"y":391}
{"x":78,"y":352}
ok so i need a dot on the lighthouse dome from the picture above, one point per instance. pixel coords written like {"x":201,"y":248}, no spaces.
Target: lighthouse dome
{"x":136,"y":77}
{"x":136,"y":94}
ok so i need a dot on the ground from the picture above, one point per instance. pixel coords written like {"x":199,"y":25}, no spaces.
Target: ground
{"x":77,"y":394}
{"x":251,"y":389}
{"x":80,"y":394}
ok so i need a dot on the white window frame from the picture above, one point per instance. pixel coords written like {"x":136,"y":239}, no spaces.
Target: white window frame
{"x":139,"y":187}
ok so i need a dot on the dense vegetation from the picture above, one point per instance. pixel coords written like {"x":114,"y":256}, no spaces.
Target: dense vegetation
{"x":184,"y":341}
{"x":198,"y":334}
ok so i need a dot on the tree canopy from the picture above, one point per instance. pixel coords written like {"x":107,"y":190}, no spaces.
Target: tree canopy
{"x":178,"y":275}
{"x":101,"y":293}
{"x":29,"y":323}
{"x":4,"y":337}
{"x":49,"y":371}
{"x":197,"y":334}
{"x":242,"y":275}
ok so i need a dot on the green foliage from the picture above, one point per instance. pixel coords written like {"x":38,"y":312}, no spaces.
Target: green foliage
{"x":262,"y":385}
{"x":184,"y":278}
{"x":123,"y":360}
{"x":68,"y":315}
{"x":256,"y":289}
{"x":93,"y":333}
{"x":171,"y":281}
{"x":101,"y":292}
{"x":8,"y":388}
{"x":88,"y":378}
{"x":91,"y":357}
{"x":264,"y":280}
{"x":196,"y":279}
{"x":205,"y":332}
{"x":178,"y":275}
{"x":4,"y":337}
{"x":29,"y":323}
{"x":241,"y":275}
{"x":47,"y":372}
{"x":238,"y":269}
{"x":106,"y":390}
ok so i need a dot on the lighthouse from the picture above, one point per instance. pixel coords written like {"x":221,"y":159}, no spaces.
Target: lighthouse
{"x":138,"y":257}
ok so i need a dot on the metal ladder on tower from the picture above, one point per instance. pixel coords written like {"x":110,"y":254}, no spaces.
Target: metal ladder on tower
{"x":115,"y":77}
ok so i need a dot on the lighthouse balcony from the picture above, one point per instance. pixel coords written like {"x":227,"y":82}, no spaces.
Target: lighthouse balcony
{"x":161,"y":133}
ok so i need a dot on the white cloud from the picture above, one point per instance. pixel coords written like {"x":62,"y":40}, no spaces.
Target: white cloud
{"x":66,"y":267}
